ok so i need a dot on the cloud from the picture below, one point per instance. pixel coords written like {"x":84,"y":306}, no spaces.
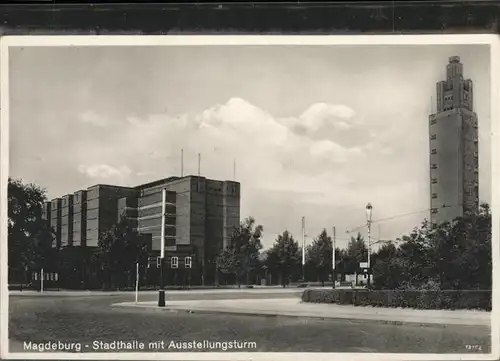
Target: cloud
{"x":268,"y":151}
{"x":94,"y":119}
{"x":334,"y":152}
{"x":328,"y":165}
{"x":320,"y":114}
{"x":142,"y":174}
{"x":104,"y":171}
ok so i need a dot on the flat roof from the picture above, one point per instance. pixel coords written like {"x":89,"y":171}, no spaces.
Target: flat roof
{"x":109,"y":186}
{"x":144,"y":185}
{"x":159,"y":181}
{"x":175,"y":178}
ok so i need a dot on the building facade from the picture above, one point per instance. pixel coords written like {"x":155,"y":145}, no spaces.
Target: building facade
{"x":200,"y":215}
{"x":453,"y":140}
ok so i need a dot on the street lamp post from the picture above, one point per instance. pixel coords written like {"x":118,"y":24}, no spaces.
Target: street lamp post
{"x":333,"y":259}
{"x":369,"y":224}
{"x":161,"y":292}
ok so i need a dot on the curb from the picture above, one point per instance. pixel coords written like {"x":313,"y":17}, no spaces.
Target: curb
{"x":270,"y":315}
{"x":62,"y":294}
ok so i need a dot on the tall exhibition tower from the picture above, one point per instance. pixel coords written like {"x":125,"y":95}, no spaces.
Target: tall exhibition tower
{"x":453,"y":134}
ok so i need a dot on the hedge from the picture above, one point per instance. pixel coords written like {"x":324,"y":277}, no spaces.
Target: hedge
{"x":449,"y":299}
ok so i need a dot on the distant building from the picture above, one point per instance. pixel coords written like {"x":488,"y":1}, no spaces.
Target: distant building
{"x":453,"y":132}
{"x":200,"y":215}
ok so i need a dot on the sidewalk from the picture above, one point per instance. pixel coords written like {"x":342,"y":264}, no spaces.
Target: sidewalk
{"x":268,"y":289}
{"x":295,"y":308}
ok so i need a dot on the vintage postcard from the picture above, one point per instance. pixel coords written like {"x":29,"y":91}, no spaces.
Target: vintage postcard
{"x":249,"y":197}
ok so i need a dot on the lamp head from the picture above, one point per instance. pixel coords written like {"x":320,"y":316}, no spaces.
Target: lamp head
{"x":369,"y":212}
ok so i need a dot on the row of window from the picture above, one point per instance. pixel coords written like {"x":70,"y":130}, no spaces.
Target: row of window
{"x":174,"y":262}
{"x":50,"y":276}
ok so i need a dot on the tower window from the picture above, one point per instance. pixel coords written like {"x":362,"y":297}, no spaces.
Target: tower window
{"x":434,"y":210}
{"x":433,"y":136}
{"x":434,"y":166}
{"x":432,"y":121}
{"x":434,"y":195}
{"x":433,"y":151}
{"x":434,"y":180}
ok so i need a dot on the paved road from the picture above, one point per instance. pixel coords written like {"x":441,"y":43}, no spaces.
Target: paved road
{"x":92,"y":318}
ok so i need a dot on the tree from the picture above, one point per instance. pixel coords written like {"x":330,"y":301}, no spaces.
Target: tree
{"x":29,"y":236}
{"x":464,"y":248}
{"x":356,"y":252}
{"x":387,"y":268}
{"x":270,"y":263}
{"x":320,"y":254}
{"x":119,"y":249}
{"x":241,"y":257}
{"x":227,"y":262}
{"x":452,"y":255}
{"x":286,"y":254}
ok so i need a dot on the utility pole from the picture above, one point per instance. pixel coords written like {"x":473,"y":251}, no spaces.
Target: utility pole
{"x":136,"y":281}
{"x":203,"y":254}
{"x":303,"y":248}
{"x":199,"y":170}
{"x":42,"y":276}
{"x":182,"y":163}
{"x":161,"y":293}
{"x":333,"y":258}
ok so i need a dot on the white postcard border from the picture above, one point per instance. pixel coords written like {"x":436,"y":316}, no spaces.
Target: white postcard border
{"x":241,"y":40}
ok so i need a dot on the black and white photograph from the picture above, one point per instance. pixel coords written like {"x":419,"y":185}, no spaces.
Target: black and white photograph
{"x":249,"y":197}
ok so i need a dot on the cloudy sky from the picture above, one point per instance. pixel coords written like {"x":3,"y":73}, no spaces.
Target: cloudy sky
{"x":317,"y":131}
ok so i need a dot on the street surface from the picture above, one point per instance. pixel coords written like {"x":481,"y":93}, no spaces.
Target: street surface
{"x":85,"y":319}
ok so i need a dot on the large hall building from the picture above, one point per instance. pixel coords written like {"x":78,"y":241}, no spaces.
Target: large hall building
{"x":201,"y":214}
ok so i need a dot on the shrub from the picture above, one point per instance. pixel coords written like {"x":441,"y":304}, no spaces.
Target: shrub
{"x":419,"y":299}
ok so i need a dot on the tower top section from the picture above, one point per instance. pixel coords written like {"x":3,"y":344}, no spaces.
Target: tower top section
{"x":454,"y":92}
